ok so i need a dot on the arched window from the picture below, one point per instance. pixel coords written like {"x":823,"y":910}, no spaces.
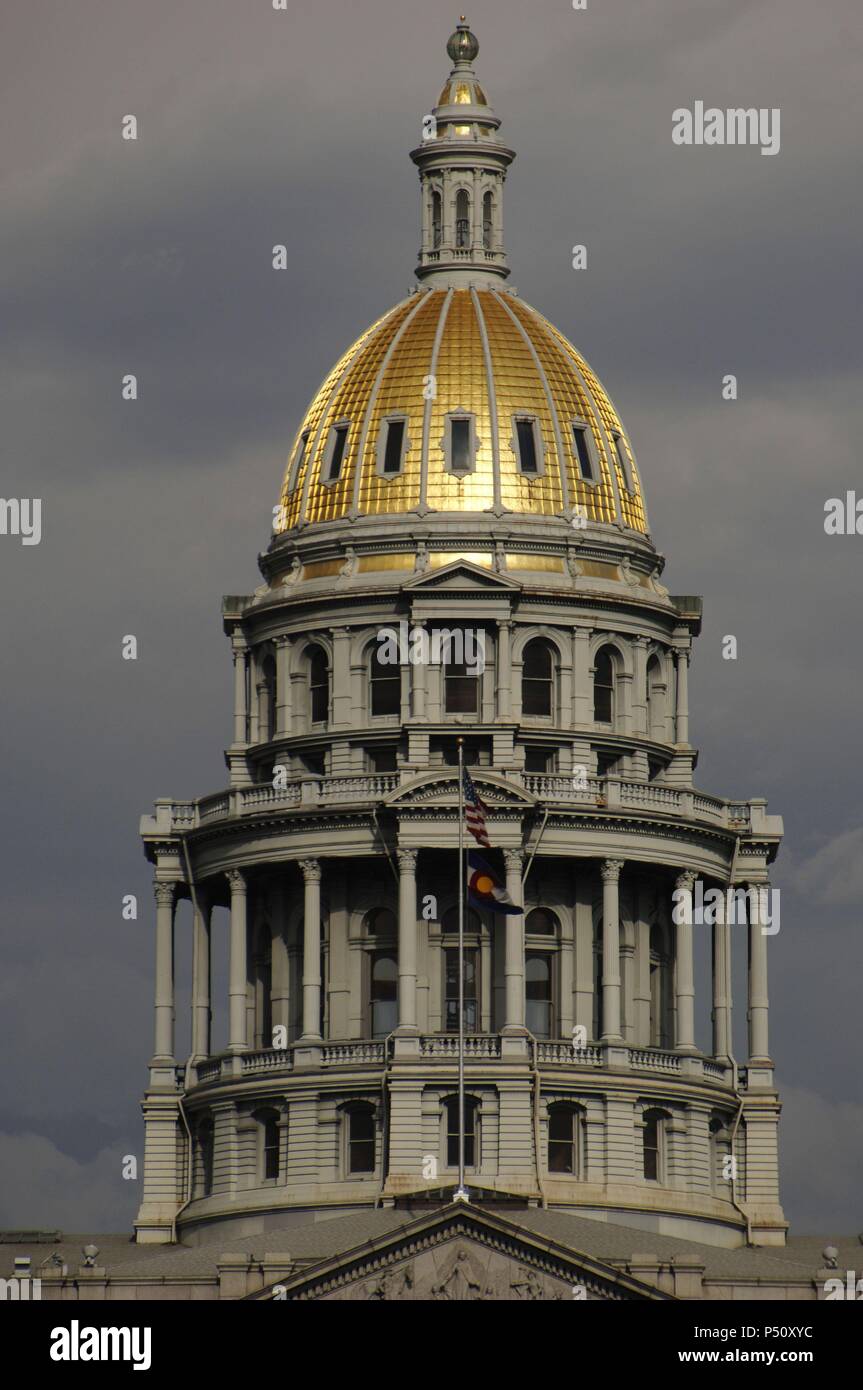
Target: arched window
{"x":360,"y":1120}
{"x":487,"y":222}
{"x":653,"y":1136}
{"x":269,"y":1122}
{"x":205,"y":1136}
{"x":603,"y":686}
{"x":564,"y":1127}
{"x":385,"y":681}
{"x":471,"y":1131}
{"x":471,"y":953}
{"x":462,"y":219}
{"x":655,"y":702}
{"x":436,"y":221}
{"x":538,"y":997}
{"x":381,"y":921}
{"x":659,"y":987}
{"x":537,"y":680}
{"x":319,"y":685}
{"x":267,"y":709}
{"x":721,"y":1167}
{"x":540,"y":922}
{"x":384,"y":993}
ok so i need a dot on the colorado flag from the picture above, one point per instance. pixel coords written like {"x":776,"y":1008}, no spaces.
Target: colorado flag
{"x":484,"y":888}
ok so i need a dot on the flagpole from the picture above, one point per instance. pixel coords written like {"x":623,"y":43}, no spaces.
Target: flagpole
{"x":460,"y":1194}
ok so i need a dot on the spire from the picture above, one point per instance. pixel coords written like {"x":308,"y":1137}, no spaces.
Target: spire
{"x":462,"y":166}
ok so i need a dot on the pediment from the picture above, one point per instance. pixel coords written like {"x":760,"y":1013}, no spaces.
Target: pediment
{"x":460,"y":1254}
{"x":442,"y":788}
{"x":462,"y":575}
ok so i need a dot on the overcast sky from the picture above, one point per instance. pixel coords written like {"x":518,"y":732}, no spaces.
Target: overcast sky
{"x":258,"y":127}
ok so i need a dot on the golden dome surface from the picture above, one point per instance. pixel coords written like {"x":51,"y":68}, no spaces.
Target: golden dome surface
{"x":481,"y":355}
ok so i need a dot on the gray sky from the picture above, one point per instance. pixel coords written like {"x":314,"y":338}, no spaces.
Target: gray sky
{"x":257,"y":127}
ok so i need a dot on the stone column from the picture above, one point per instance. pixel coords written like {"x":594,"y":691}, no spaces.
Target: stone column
{"x":611,"y":870}
{"x":342,"y":714}
{"x":201,"y":1004}
{"x":283,"y":686}
{"x":685,"y":1040}
{"x":241,"y":711}
{"x":417,"y":676}
{"x":407,"y":940}
{"x":722,"y":989}
{"x":582,"y":701}
{"x":312,"y":950}
{"x":166,"y":896}
{"x":237,"y":983}
{"x":639,"y":688}
{"x":681,"y":720}
{"x":504,"y":669}
{"x":758,"y":1002}
{"x":514,"y":954}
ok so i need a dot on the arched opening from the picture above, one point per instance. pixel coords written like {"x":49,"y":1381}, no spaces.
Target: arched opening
{"x":564,"y":1130}
{"x":385,"y":686}
{"x":659,"y":988}
{"x":471,"y":1131}
{"x":436,"y":220}
{"x":205,"y":1143}
{"x":360,"y":1122}
{"x":471,"y":953}
{"x":383,"y":993}
{"x":541,"y":929}
{"x":462,"y":220}
{"x":537,"y":680}
{"x":487,"y":222}
{"x":604,"y":686}
{"x":268,"y":1120}
{"x":653,"y":1140}
{"x":319,"y":685}
{"x":655,"y":700}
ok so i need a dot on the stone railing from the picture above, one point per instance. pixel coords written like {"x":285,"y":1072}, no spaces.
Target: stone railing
{"x":348,"y":1054}
{"x":566,"y":1053}
{"x":615,"y":793}
{"x":269,"y":1059}
{"x":446,"y":1045}
{"x":651,"y":1059}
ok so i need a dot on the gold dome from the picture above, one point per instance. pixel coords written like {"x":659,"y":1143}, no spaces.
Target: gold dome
{"x":488,"y":357}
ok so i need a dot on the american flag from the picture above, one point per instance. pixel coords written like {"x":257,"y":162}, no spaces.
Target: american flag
{"x":474,"y":811}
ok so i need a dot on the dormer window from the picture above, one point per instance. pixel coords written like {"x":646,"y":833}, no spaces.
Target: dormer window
{"x":335,"y":453}
{"x":582,"y":450}
{"x":299,"y":459}
{"x":526,"y":443}
{"x":460,"y":443}
{"x":391,"y":447}
{"x":623,"y":460}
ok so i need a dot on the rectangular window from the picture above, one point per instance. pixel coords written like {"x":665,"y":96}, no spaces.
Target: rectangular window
{"x":361,"y":1144}
{"x":298,"y":461}
{"x":393,"y":447}
{"x":561,"y":1140}
{"x":383,"y":760}
{"x":526,"y":432}
{"x":651,"y":1150}
{"x":539,"y":760}
{"x":582,"y":449}
{"x":451,"y":991}
{"x":461,"y":460}
{"x":469,"y":1134}
{"x":338,"y":452}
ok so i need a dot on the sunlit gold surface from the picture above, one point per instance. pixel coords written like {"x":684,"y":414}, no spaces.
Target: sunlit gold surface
{"x":439,"y":558}
{"x":370,"y":563}
{"x":542,"y":564}
{"x":497,"y":358}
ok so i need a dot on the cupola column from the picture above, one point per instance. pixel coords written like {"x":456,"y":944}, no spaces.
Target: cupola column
{"x":407,"y":940}
{"x":283,"y":686}
{"x":201,"y":1002}
{"x":166,"y":897}
{"x":237,"y":982}
{"x":685,"y":974}
{"x":758,"y":1002}
{"x":504,"y":669}
{"x":514,"y":952}
{"x":241,"y":711}
{"x":681,"y":732}
{"x":611,"y":871}
{"x":721,"y":987}
{"x":281,"y":974}
{"x":311,"y":950}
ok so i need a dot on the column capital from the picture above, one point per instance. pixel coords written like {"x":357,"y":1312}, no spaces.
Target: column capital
{"x":164,"y":893}
{"x":640,"y":640}
{"x":237,"y":879}
{"x":311,"y":870}
{"x":685,"y":881}
{"x":611,"y":869}
{"x":407,"y":859}
{"x":513,"y":860}
{"x":283,"y":639}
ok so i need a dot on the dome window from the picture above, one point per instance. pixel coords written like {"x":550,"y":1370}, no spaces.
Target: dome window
{"x":460,"y":443}
{"x":527,"y":445}
{"x":335,"y":452}
{"x":391,"y":446}
{"x":299,"y":459}
{"x":582,"y":450}
{"x":623,"y":460}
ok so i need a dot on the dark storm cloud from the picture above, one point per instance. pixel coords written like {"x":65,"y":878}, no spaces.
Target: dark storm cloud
{"x":259,"y":128}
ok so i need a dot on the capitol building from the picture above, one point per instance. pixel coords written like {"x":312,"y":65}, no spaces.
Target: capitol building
{"x":460,"y":470}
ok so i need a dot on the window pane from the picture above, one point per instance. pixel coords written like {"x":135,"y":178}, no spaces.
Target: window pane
{"x":362,"y":1141}
{"x":393,"y":450}
{"x":338,"y":453}
{"x":386,"y":687}
{"x":526,"y":446}
{"x":623,"y":460}
{"x":582,"y":449}
{"x":460,"y":453}
{"x":462,"y":694}
{"x":452,"y":1132}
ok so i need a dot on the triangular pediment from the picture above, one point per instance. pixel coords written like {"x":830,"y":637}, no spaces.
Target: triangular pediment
{"x":442,"y":788}
{"x":462,"y":575}
{"x":460,"y":1254}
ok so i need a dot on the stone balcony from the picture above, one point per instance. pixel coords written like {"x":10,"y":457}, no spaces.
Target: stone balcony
{"x":612,"y":794}
{"x":436,"y":1049}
